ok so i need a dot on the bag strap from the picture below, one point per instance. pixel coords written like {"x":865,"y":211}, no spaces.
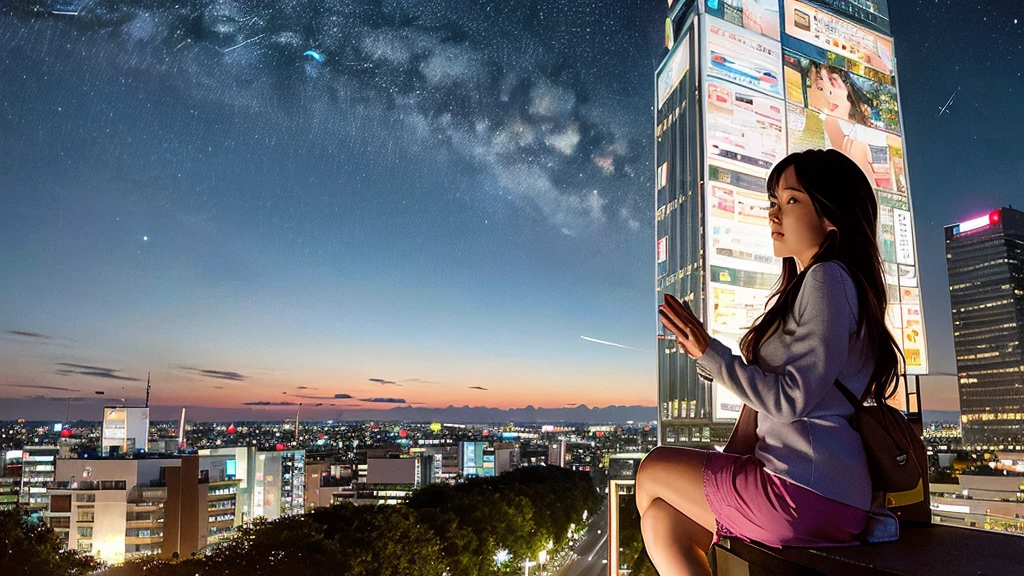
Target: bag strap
{"x":857,"y":404}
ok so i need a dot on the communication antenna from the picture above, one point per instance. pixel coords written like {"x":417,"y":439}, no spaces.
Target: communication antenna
{"x":147,"y":388}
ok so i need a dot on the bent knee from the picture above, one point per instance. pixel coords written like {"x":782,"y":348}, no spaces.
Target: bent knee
{"x":651,"y":520}
{"x":651,"y":460}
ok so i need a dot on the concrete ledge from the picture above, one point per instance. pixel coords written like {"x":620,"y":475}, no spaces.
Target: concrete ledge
{"x":926,"y":550}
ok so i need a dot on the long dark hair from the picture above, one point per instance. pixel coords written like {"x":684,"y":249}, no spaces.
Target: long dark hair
{"x":841,"y":192}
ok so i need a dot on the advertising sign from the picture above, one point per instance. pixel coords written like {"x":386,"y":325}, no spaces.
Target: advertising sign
{"x":743,"y":126}
{"x":743,"y":246}
{"x":904,"y":237}
{"x":760,"y":16}
{"x":835,"y":92}
{"x":870,"y":12}
{"x":868,"y":148}
{"x":675,"y":67}
{"x":825,"y":30}
{"x":743,"y":58}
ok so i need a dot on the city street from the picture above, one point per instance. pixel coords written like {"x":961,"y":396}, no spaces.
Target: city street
{"x":590,"y":556}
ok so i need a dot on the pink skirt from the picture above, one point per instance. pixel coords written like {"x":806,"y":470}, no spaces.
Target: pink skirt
{"x":751,"y":503}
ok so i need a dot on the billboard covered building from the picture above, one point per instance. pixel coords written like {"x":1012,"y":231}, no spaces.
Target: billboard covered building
{"x":743,"y":84}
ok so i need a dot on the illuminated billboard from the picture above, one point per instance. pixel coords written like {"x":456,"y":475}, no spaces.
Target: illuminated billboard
{"x":114,"y":424}
{"x":745,"y":136}
{"x":743,"y":126}
{"x":840,"y":36}
{"x":675,"y":67}
{"x":880,"y":155}
{"x":872,"y":150}
{"x":874,"y":13}
{"x":477,"y":459}
{"x":835,"y":92}
{"x":743,"y":58}
{"x":760,"y":16}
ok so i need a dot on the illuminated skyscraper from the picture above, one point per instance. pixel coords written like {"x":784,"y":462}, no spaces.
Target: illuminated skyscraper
{"x":745,"y":82}
{"x":985,"y":261}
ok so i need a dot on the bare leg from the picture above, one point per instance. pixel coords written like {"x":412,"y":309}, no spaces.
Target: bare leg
{"x":676,"y":476}
{"x":676,"y":544}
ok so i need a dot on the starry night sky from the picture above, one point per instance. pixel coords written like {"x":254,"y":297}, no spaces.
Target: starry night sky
{"x":433,"y":214}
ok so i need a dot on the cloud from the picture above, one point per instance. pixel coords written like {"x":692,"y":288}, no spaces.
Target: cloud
{"x":94,"y":371}
{"x":35,"y":335}
{"x":315,"y":397}
{"x":37,"y":387}
{"x":218,"y":374}
{"x":384,"y":382}
{"x":305,"y":388}
{"x":477,"y":388}
{"x":420,"y":381}
{"x":384,"y":400}
{"x":72,"y":399}
{"x":268,"y":403}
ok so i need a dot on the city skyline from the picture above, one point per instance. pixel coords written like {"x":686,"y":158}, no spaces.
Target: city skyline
{"x":447,"y":207}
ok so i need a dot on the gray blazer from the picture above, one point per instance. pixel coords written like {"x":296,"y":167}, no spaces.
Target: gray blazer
{"x":803,"y":432}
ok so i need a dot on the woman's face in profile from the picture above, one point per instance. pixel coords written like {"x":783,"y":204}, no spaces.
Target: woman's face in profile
{"x":828,"y":93}
{"x":797,"y":229}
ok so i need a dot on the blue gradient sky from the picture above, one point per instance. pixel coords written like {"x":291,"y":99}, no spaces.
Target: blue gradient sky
{"x":446,"y":203}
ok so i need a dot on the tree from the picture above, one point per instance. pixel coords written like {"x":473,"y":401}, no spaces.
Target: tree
{"x":34,"y":549}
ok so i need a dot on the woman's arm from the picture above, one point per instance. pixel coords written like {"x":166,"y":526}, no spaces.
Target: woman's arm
{"x":817,"y":350}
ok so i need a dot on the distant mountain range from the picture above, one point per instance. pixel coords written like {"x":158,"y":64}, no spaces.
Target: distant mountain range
{"x":484,"y":415}
{"x":91,"y":410}
{"x":582,"y":414}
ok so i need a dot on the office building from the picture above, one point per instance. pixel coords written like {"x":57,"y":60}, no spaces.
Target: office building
{"x":625,"y":542}
{"x":476,"y":459}
{"x":234,"y":463}
{"x":444,"y":464}
{"x":200,"y":508}
{"x":125,"y":430}
{"x":38,"y":465}
{"x":116,"y":508}
{"x":10,"y":479}
{"x":985,"y":263}
{"x":736,"y":92}
{"x":556,"y":453}
{"x":108,"y":508}
{"x":271,"y":484}
{"x":323,"y":481}
{"x":506,"y":457}
{"x":279,"y":483}
{"x":986,"y":502}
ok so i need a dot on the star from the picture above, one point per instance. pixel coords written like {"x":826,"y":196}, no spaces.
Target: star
{"x":145,"y":238}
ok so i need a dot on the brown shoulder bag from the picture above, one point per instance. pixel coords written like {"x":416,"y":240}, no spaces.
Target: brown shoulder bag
{"x":896,"y":457}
